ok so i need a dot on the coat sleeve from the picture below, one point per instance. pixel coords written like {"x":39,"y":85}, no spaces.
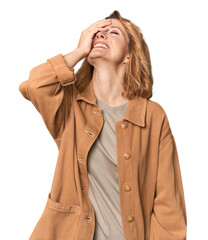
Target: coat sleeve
{"x":168,"y":217}
{"x":49,"y":89}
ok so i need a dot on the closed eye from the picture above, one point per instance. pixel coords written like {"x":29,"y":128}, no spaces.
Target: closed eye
{"x":115,"y":32}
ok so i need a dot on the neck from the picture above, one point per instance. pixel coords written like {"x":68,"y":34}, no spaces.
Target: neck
{"x":107,"y":85}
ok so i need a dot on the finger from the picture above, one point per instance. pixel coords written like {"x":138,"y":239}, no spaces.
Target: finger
{"x":99,"y":26}
{"x":101,"y":23}
{"x":95,"y":30}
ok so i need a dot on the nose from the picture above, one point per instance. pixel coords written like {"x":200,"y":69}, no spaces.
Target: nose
{"x":100,"y":34}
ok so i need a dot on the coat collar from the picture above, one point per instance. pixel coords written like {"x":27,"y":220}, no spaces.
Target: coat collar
{"x":136,"y":109}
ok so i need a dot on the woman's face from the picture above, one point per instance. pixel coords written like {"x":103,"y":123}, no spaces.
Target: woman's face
{"x":117,"y":40}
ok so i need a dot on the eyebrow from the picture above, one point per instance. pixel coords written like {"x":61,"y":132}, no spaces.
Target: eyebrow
{"x":115,"y":27}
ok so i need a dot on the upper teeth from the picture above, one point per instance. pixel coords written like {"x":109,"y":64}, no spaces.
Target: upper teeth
{"x":102,"y":45}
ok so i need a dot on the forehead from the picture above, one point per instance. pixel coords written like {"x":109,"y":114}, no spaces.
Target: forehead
{"x":117,"y":23}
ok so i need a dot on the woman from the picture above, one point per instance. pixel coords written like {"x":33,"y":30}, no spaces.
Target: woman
{"x":117,"y":174}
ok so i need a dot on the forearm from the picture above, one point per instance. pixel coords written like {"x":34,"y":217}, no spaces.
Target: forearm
{"x":73,"y":57}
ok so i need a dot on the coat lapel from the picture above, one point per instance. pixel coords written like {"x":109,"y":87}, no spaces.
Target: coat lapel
{"x":136,"y":109}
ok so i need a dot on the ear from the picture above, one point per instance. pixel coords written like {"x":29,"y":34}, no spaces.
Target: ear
{"x":126,"y":59}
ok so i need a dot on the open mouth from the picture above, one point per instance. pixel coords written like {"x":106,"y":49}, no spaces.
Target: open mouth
{"x":101,"y":45}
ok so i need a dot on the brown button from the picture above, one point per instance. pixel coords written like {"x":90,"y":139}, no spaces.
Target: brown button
{"x":130,"y":218}
{"x":126,"y":155}
{"x":124,"y":125}
{"x":127,"y":188}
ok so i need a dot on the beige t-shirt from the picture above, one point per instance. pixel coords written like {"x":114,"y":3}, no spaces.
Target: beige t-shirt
{"x":103,"y":176}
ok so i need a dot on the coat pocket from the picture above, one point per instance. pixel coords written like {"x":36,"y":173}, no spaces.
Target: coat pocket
{"x":58,"y":222}
{"x":62,"y":207}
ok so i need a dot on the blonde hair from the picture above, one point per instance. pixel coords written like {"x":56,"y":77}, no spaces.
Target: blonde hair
{"x":137,"y":80}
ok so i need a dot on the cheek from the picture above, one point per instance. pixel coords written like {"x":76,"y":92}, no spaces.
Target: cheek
{"x":119,"y":46}
{"x":120,"y":50}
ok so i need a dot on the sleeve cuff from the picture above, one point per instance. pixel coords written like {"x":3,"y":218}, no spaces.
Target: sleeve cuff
{"x":65,"y":74}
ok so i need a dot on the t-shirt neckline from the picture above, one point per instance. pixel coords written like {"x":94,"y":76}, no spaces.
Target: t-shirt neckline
{"x":110,"y":108}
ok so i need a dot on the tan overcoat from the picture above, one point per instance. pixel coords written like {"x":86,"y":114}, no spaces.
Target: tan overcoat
{"x":150,"y":184}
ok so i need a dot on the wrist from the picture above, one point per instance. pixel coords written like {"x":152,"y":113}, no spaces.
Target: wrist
{"x":80,"y":52}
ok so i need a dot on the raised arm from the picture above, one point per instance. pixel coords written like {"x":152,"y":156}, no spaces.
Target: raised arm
{"x":49,"y":89}
{"x":49,"y":84}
